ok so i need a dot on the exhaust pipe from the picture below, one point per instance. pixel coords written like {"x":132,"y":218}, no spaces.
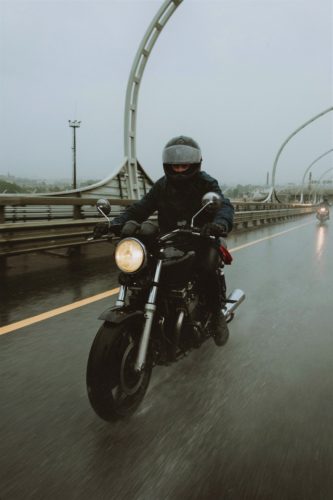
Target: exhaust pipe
{"x":233,"y":301}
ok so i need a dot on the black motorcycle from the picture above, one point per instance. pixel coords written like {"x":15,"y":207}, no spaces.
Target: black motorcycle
{"x":159,"y":315}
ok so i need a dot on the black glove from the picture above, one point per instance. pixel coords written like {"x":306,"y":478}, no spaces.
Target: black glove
{"x":212,"y":229}
{"x":100,"y":229}
{"x":130,"y":228}
{"x":104,"y":228}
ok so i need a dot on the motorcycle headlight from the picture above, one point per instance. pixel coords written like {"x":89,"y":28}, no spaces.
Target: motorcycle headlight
{"x":130,"y":255}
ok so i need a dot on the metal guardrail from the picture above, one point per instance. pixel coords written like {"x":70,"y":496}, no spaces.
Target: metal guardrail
{"x":40,"y":223}
{"x":28,"y":237}
{"x":254,"y":218}
{"x":26,"y":208}
{"x":14,"y":208}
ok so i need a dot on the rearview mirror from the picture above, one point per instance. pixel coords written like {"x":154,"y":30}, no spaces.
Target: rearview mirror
{"x":103,"y":206}
{"x":211,"y":200}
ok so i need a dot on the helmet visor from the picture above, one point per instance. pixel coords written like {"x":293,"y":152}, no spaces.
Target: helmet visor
{"x":180,"y":154}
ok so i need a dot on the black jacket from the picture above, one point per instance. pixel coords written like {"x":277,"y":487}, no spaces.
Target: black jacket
{"x":177,"y":204}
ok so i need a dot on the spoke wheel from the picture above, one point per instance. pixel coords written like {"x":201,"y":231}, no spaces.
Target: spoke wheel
{"x":115,"y":390}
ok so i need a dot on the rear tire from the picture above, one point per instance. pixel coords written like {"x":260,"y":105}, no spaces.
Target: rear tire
{"x":115,"y":390}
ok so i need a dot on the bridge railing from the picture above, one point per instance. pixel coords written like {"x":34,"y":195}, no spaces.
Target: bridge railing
{"x":31,"y":223}
{"x":15,"y":208}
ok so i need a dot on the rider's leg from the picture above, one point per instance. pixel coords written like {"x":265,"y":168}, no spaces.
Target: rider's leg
{"x":210,"y":287}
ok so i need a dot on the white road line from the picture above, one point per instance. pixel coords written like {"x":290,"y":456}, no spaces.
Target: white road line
{"x":240,"y":247}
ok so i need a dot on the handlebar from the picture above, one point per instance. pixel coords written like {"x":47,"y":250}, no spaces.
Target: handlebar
{"x":195,"y":231}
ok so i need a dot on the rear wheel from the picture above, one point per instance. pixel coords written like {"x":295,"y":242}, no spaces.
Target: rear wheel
{"x":115,"y":390}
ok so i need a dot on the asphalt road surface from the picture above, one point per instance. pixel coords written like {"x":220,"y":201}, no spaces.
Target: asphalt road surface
{"x":251,"y":420}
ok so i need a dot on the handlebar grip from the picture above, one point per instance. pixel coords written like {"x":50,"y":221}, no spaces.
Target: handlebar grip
{"x":108,"y":236}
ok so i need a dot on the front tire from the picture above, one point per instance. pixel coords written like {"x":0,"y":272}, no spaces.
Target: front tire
{"x":115,"y":390}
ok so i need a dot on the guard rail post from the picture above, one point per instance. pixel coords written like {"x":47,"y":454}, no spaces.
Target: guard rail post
{"x":77,"y":212}
{"x":75,"y":251}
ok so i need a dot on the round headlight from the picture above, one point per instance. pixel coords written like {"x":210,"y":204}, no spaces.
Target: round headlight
{"x":130,"y":255}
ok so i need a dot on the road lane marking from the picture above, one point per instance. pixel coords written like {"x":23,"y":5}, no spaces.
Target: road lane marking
{"x":235,"y":249}
{"x":70,"y":307}
{"x":56,"y":312}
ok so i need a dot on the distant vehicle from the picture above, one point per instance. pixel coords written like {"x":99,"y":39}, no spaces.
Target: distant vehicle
{"x":322,"y":214}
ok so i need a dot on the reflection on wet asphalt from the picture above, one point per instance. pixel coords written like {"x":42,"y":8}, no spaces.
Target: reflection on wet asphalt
{"x":33,"y":284}
{"x":251,"y":420}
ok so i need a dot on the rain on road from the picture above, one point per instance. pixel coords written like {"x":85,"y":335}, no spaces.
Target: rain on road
{"x":252,"y":420}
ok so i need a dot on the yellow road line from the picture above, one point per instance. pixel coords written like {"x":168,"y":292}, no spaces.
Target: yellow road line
{"x":60,"y":310}
{"x":235,"y":249}
{"x":56,"y":312}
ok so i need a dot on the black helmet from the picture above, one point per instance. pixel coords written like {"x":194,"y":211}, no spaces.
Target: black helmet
{"x":181,"y":151}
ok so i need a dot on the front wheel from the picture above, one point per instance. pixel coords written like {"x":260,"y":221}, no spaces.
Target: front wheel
{"x":115,"y":390}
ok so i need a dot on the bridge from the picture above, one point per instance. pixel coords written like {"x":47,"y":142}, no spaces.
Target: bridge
{"x":251,"y":420}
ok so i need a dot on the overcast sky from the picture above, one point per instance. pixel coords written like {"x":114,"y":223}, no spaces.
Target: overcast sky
{"x":238,"y":76}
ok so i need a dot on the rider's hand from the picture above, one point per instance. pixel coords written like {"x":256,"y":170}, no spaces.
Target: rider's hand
{"x":212,"y":229}
{"x":103,"y":228}
{"x":100,"y":229}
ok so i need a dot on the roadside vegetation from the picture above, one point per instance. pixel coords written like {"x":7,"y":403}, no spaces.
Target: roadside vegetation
{"x":30,"y":187}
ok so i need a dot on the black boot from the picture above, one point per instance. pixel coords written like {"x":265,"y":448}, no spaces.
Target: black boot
{"x":219,"y":327}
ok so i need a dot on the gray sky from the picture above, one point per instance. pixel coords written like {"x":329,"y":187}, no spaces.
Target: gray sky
{"x":238,"y":76}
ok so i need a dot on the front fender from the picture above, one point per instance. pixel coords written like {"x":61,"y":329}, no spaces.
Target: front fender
{"x":117,"y":315}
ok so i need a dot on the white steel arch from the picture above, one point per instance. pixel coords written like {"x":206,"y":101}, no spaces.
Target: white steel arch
{"x":319,"y":181}
{"x":272,"y":194}
{"x":133,"y":85}
{"x":307,"y":170}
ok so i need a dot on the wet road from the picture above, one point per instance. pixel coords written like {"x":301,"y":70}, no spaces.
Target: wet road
{"x":252,"y":420}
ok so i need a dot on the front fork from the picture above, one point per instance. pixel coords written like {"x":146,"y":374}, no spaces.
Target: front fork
{"x":150,"y":309}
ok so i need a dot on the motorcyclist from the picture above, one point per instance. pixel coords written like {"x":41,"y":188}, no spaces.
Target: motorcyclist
{"x":177,"y":197}
{"x":325,"y":204}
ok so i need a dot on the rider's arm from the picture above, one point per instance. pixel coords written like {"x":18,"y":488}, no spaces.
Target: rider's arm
{"x":225,"y":214}
{"x":141,"y":209}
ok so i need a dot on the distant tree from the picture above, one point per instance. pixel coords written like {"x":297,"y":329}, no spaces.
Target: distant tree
{"x":11,"y":187}
{"x":240,"y":191}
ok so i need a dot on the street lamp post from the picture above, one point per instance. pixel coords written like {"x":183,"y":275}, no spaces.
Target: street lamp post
{"x":74,"y":125}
